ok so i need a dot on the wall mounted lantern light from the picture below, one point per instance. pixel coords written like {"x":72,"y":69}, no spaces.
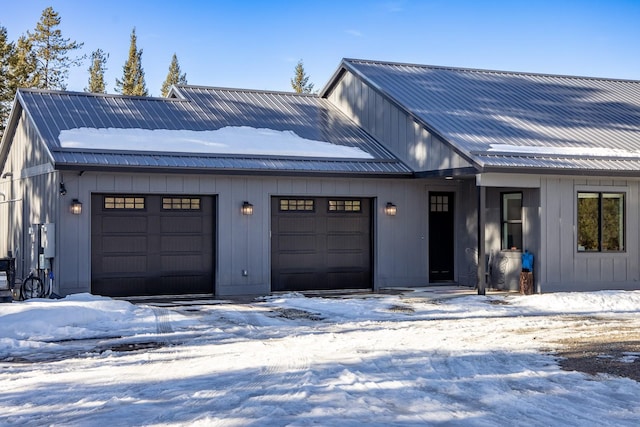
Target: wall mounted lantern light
{"x":390,"y":209}
{"x":247,"y":208}
{"x":76,"y":207}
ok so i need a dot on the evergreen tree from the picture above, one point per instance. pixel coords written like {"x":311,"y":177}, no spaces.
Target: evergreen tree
{"x":300,"y":82}
{"x":175,"y":76}
{"x":96,"y":72}
{"x":52,"y":51}
{"x":132,"y":82}
{"x":23,"y":65}
{"x":6,"y":96}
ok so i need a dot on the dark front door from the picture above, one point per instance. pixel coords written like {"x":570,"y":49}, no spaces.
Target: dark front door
{"x":152,"y":245}
{"x":441,"y":237}
{"x":320,"y":243}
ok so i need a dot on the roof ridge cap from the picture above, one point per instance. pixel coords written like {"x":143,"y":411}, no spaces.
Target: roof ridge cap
{"x":490,"y":71}
{"x":95,"y":95}
{"x":245,"y":90}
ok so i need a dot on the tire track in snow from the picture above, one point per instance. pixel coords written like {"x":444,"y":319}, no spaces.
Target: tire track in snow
{"x":163,"y":320}
{"x":273,"y":376}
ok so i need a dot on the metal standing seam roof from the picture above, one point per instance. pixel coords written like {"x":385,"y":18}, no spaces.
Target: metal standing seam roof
{"x":489,"y":116}
{"x":199,"y":109}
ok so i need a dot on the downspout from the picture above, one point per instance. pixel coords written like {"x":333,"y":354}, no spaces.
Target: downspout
{"x":9,"y":221}
{"x":12,"y":251}
{"x":482,"y":279}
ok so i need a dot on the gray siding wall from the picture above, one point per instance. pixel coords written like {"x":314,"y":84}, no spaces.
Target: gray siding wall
{"x":466,"y":245}
{"x":563,"y":268}
{"x":243,"y":242}
{"x":31,"y":181}
{"x":401,"y":242}
{"x":400,"y":133}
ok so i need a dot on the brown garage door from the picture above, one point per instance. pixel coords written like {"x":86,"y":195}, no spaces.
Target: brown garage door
{"x":151,"y":245}
{"x":320,"y":243}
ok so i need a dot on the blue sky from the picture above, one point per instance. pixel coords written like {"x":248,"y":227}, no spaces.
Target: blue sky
{"x":256,"y":44}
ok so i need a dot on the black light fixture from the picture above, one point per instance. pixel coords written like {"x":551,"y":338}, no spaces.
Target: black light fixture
{"x":247,"y":208}
{"x":76,"y":207}
{"x":390,"y":209}
{"x":63,"y":189}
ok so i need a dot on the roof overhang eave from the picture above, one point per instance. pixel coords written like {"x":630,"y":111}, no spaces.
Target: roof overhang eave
{"x":467,"y":172}
{"x":81,"y":168}
{"x":561,"y":171}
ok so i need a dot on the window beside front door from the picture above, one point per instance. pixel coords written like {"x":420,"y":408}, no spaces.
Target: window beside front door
{"x":511,"y":232}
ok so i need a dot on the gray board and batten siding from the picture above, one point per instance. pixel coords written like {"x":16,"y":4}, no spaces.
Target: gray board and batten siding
{"x":27,"y":184}
{"x":243,"y":242}
{"x":565,"y":268}
{"x":396,"y":128}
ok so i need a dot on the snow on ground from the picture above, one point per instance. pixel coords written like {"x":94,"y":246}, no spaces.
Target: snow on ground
{"x":417,"y":358}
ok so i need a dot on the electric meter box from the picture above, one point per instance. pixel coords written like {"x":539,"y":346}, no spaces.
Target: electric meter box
{"x":43,"y":245}
{"x":48,"y":240}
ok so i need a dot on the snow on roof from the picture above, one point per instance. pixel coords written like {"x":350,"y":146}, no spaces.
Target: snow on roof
{"x":564,"y":151}
{"x":227,"y":140}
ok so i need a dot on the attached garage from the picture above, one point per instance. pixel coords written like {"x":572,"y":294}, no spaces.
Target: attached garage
{"x":152,"y":245}
{"x":165,"y":187}
{"x":321,"y":243}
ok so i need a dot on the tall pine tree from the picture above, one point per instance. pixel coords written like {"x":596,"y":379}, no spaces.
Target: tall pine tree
{"x":52,"y":51}
{"x":174,"y":77}
{"x":6,"y":95}
{"x":23,"y":65}
{"x":96,"y":72}
{"x":132,"y":82}
{"x":300,"y":82}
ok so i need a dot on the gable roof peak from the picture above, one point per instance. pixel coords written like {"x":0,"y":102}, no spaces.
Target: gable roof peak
{"x":514,"y":119}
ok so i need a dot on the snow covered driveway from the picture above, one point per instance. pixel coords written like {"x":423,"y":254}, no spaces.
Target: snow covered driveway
{"x":409,"y":359}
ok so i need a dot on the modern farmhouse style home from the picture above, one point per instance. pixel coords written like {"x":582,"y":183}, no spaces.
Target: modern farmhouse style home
{"x":394,"y":175}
